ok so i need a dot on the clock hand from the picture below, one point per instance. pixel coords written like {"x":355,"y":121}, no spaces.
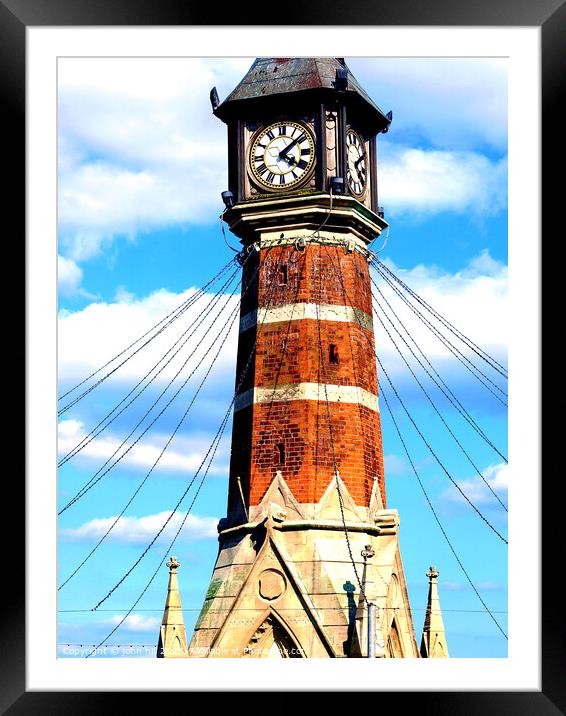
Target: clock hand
{"x":284,"y":151}
{"x":289,"y":160}
{"x":358,"y":161}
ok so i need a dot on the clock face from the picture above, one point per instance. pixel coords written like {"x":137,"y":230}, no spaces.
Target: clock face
{"x":282,"y":155}
{"x":357,"y":163}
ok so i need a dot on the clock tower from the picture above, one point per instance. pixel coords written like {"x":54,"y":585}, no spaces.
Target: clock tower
{"x":308,"y":542}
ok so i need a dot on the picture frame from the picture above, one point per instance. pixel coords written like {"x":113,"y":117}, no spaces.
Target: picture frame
{"x":550,"y":17}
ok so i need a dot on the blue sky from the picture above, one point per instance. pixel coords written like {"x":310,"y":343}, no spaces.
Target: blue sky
{"x":142,"y":162}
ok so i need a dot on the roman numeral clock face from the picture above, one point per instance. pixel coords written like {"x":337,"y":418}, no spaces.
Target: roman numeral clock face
{"x":282,"y":155}
{"x":357,"y":164}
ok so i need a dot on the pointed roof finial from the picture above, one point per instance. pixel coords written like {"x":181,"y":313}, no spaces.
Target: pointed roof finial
{"x":283,"y":78}
{"x":173,"y":565}
{"x":432,"y":573}
{"x":172,"y":636}
{"x":433,"y":644}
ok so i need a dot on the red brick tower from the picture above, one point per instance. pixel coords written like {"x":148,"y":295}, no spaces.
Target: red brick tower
{"x":302,"y":303}
{"x":307,"y":538}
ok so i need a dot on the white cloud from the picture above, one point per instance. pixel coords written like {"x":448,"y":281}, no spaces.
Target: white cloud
{"x":139,"y":147}
{"x":426,"y":182}
{"x":459,"y":586}
{"x":394,"y":465}
{"x":187,"y":454}
{"x":132,"y":623}
{"x":474,"y":300}
{"x":497,"y":476}
{"x":138,"y":530}
{"x":458,"y":103}
{"x":69,"y":275}
{"x":88,"y":338}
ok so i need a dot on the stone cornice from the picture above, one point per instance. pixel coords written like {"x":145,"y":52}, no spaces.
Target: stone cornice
{"x":303,"y":212}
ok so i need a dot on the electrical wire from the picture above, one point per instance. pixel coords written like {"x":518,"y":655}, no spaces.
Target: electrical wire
{"x":279,"y":609}
{"x":221,"y":217}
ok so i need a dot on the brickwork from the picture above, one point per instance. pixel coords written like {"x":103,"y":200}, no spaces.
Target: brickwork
{"x":311,"y":277}
{"x":292,"y":435}
{"x":308,"y":467}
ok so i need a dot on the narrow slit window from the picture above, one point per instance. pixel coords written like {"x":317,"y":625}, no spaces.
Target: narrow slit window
{"x":283,"y":275}
{"x":333,"y":354}
{"x":280,"y":453}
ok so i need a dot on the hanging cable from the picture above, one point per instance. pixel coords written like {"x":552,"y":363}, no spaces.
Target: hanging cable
{"x":220,"y":431}
{"x":488,"y":611}
{"x":427,"y":395}
{"x":97,"y":476}
{"x":221,"y":217}
{"x":127,"y":505}
{"x":471,"y":367}
{"x":449,"y":394}
{"x":473,"y":346}
{"x":433,"y":453}
{"x":172,"y":317}
{"x":334,"y":462}
{"x":440,"y":463}
{"x":196,"y":323}
{"x":438,"y":522}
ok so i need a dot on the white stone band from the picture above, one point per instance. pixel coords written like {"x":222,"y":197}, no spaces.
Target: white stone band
{"x":350,"y":242}
{"x":308,"y":391}
{"x":298,"y":311}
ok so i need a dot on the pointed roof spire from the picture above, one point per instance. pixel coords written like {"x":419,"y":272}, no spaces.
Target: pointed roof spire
{"x":433,"y":644}
{"x":280,"y":78}
{"x":172,"y":637}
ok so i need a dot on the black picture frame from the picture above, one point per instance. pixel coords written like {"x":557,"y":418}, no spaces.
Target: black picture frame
{"x":550,"y":16}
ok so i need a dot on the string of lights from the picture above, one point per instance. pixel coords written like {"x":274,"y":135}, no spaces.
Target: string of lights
{"x":210,"y":455}
{"x":427,"y":394}
{"x":463,"y":359}
{"x":439,"y":381}
{"x":473,"y":346}
{"x":95,"y":479}
{"x":437,"y":519}
{"x":172,"y":316}
{"x":180,"y":342}
{"x":432,"y":451}
{"x":215,"y":439}
{"x":226,"y":328}
{"x":443,"y":531}
{"x":322,"y":364}
{"x":356,"y":378}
